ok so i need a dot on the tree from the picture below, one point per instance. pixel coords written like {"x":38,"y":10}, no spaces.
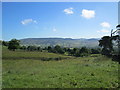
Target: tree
{"x":69,"y":51}
{"x":45,"y":48}
{"x":74,"y":51}
{"x":95,"y":51}
{"x":39,"y":49}
{"x":49,"y":49}
{"x":84,"y":51}
{"x":0,"y":42}
{"x":31,"y":48}
{"x":65,"y":49}
{"x":23,"y":47}
{"x":107,"y":45}
{"x":4,"y":43}
{"x":81,"y":52}
{"x":58,"y":49}
{"x":77,"y":53}
{"x":14,"y":44}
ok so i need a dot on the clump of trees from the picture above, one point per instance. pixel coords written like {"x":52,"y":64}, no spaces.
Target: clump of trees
{"x":31,"y":48}
{"x":78,"y":52}
{"x":56,"y":49}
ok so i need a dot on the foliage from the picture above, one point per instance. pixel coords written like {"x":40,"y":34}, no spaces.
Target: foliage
{"x":82,"y":52}
{"x":95,"y":51}
{"x":58,"y":49}
{"x":31,"y":48}
{"x":23,"y":47}
{"x":13,"y":44}
{"x":111,"y":45}
{"x":106,"y":44}
{"x":39,"y":48}
{"x":50,"y":49}
{"x":78,"y":52}
{"x":5,"y":43}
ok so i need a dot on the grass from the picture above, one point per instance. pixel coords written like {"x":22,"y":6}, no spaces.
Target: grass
{"x":95,"y":71}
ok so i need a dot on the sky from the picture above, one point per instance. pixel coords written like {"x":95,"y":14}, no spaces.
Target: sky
{"x":119,"y":12}
{"x":60,"y":0}
{"x":58,"y":19}
{"x":0,"y":21}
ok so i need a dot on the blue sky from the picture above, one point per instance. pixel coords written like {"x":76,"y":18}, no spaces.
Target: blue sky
{"x":58,"y":19}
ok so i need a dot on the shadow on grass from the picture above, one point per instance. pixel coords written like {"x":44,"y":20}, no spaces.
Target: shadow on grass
{"x":35,"y":58}
{"x":116,"y":58}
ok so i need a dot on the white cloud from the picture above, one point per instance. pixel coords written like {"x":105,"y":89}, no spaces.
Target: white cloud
{"x":105,"y":24}
{"x":103,"y":31}
{"x":88,"y":13}
{"x":28,"y":21}
{"x":69,"y":11}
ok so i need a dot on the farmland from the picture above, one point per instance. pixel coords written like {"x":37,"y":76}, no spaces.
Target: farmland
{"x":60,"y":44}
{"x":33,"y":69}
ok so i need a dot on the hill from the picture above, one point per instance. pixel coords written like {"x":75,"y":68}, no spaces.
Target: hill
{"x":65,"y":42}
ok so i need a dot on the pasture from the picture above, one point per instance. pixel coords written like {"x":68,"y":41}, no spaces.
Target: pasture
{"x":22,"y":69}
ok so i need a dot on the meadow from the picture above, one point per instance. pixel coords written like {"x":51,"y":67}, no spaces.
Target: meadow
{"x":23,"y":69}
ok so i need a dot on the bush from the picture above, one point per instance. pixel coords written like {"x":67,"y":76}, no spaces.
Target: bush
{"x":23,"y":47}
{"x":95,"y":51}
{"x":31,"y":48}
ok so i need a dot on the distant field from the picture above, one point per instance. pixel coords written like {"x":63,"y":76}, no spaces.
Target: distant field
{"x":49,"y":70}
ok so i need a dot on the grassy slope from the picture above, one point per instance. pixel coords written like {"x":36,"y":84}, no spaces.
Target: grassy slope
{"x":94,"y":71}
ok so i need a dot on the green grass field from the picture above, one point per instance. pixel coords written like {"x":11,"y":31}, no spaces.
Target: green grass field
{"x":48,"y":70}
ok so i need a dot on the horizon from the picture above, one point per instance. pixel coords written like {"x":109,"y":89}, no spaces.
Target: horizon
{"x":58,"y":19}
{"x":51,"y":38}
{"x":59,"y":38}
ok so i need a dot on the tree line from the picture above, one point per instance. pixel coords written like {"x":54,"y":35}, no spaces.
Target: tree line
{"x":78,"y":52}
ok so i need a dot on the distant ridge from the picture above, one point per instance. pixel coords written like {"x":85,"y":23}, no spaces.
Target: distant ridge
{"x":64,"y":42}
